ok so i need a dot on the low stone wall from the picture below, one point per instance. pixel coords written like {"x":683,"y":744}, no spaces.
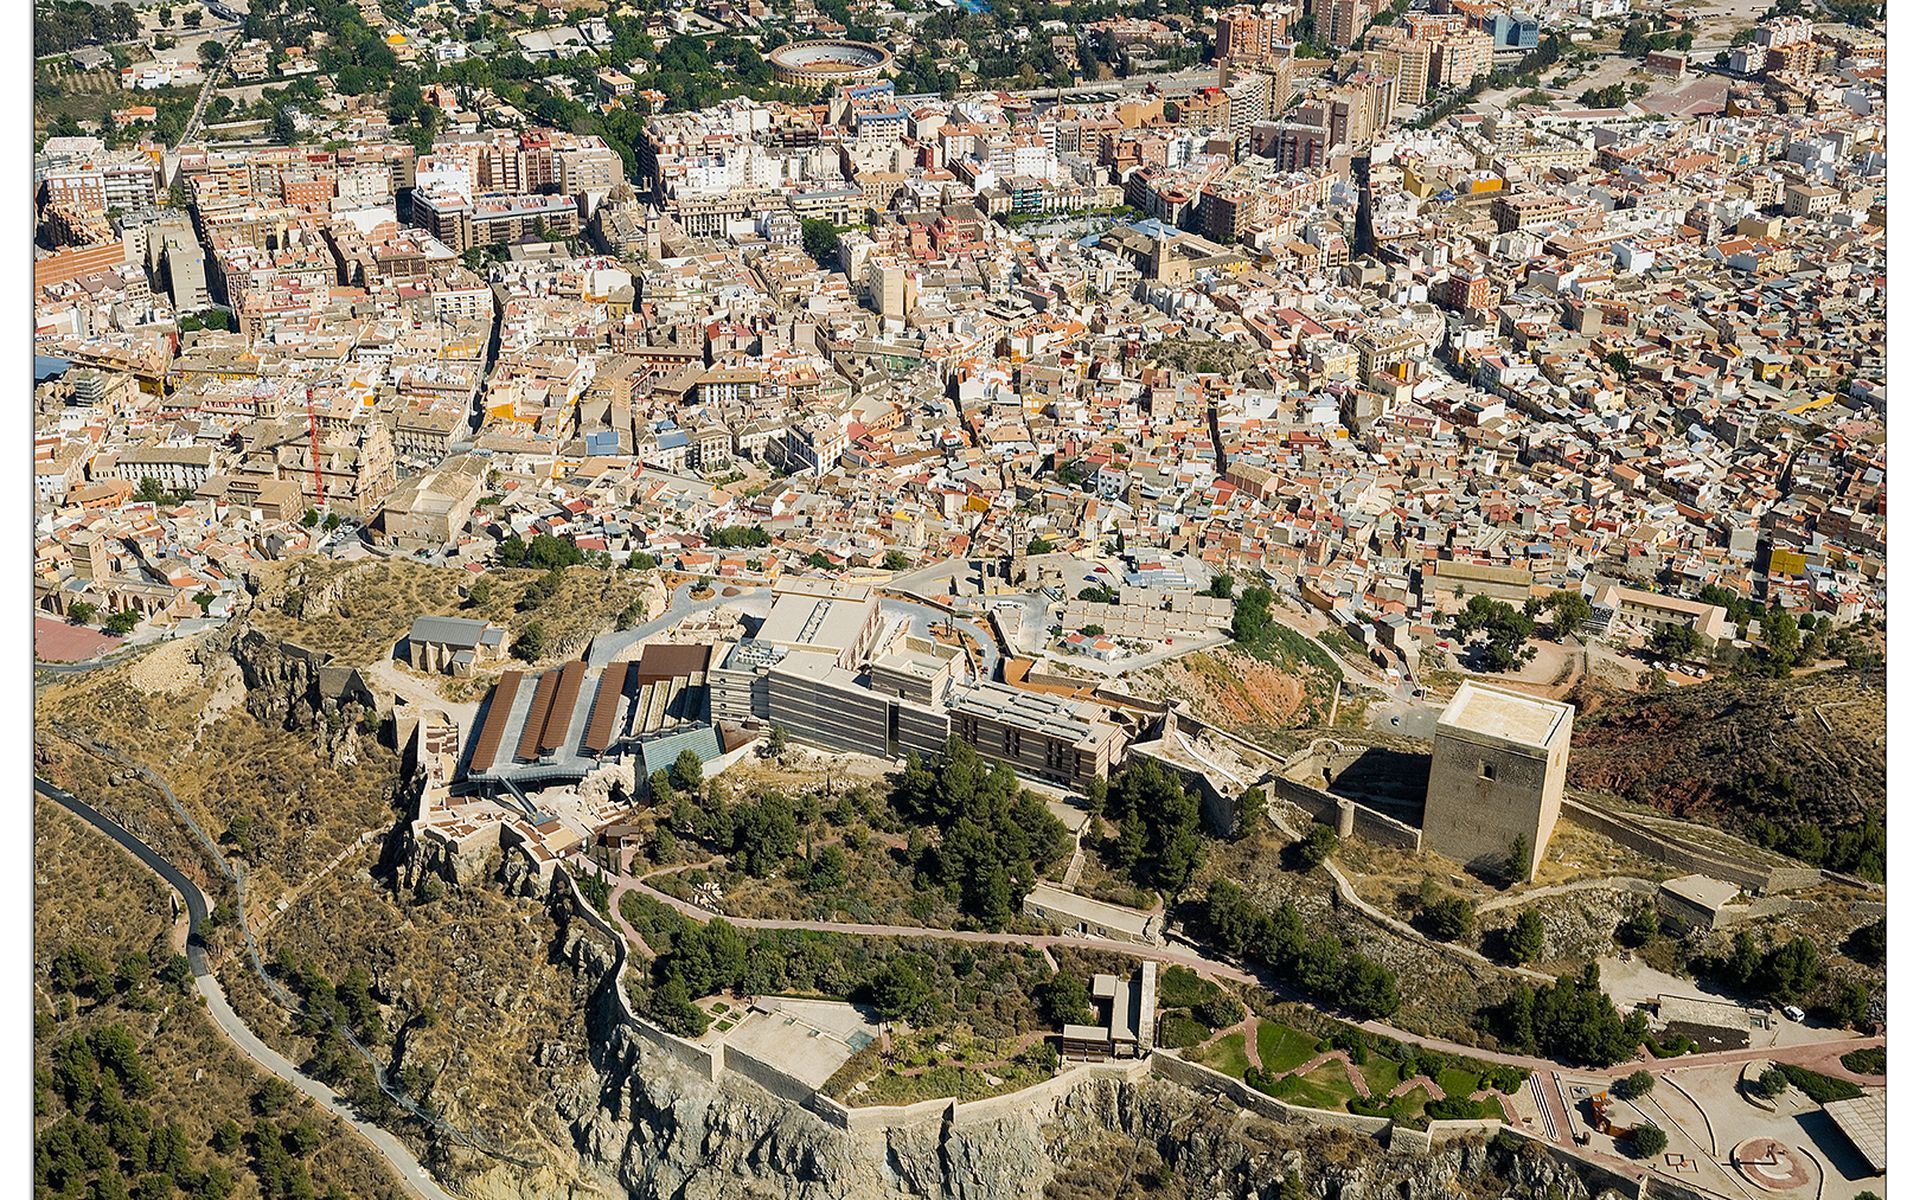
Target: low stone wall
{"x":1664,"y":849}
{"x":1596,"y":1176}
{"x":700,"y":1058}
{"x":879,"y":1116}
{"x":1206,"y":1079}
{"x":1347,"y":817}
{"x":1441,"y":1132}
{"x":1376,"y":826}
{"x":1028,"y":1100}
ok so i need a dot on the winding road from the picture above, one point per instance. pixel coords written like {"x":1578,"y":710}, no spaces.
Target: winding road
{"x":414,"y":1176}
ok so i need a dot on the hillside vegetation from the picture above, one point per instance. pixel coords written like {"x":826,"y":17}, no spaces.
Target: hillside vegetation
{"x":1798,"y":765}
{"x":133,"y":1088}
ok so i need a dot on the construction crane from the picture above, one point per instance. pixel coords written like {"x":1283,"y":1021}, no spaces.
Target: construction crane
{"x":313,"y":449}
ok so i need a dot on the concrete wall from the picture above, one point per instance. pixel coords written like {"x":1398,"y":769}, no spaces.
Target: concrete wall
{"x":880,"y":1116}
{"x":700,"y":1058}
{"x":765,"y":1074}
{"x":1376,"y":826}
{"x":1028,"y":1101}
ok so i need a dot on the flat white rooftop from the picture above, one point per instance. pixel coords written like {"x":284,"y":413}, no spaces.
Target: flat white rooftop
{"x":1488,"y":711}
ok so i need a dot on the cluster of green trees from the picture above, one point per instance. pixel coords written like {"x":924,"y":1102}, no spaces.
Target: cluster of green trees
{"x":994,"y":835}
{"x":106,"y":1137}
{"x":926,"y":982}
{"x":1156,"y":818}
{"x":1563,"y":611}
{"x":78,"y":970}
{"x":60,"y":25}
{"x":1320,"y":966}
{"x":762,"y":834}
{"x":84,"y":612}
{"x":1860,"y":849}
{"x":1525,"y":70}
{"x":1253,"y":623}
{"x":1504,"y":627}
{"x":1637,"y":40}
{"x":735,"y":537}
{"x":329,"y":1011}
{"x":109,"y":1145}
{"x":540,"y":590}
{"x":1572,"y":1019}
{"x":1868,"y":944}
{"x":1784,"y":972}
{"x":545,"y":551}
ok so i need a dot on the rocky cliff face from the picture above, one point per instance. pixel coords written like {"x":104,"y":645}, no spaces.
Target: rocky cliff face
{"x":624,"y":1118}
{"x":297,"y":690}
{"x":651,"y":1127}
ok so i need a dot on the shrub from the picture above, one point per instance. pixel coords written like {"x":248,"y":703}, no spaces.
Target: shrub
{"x":1449,"y":919}
{"x":1454,"y":1108}
{"x":1313,"y":849}
{"x":531,"y":643}
{"x":1178,"y":1031}
{"x":1219,"y":1012}
{"x":1870,"y":1061}
{"x":1633,"y":1086}
{"x":1821,"y":1089}
{"x":1508,"y":1079}
{"x":1771,"y":1082}
{"x":1646,"y":1141}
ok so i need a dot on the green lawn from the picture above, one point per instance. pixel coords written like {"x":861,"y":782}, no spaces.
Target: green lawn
{"x":1456,"y":1081}
{"x":1408,"y":1109}
{"x":1282,"y":1048}
{"x":1181,"y":988}
{"x":1227,"y":1056}
{"x":1326,"y":1086}
{"x":1383,"y":1075}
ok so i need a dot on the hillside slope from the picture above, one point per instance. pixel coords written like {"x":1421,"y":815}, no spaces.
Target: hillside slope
{"x":1799,"y":765}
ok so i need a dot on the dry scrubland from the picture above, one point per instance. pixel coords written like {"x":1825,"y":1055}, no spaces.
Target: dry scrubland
{"x":358,"y":612}
{"x":277,"y":799}
{"x":471,"y":1003}
{"x":89,"y":894}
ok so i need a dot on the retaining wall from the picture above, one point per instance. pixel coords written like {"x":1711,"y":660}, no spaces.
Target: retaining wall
{"x":768,"y":1076}
{"x":1663,"y":849}
{"x":1193,"y":1075}
{"x":1027,"y":1100}
{"x":879,"y":1116}
{"x":1624,"y":1182}
{"x":1347,"y":817}
{"x":700,"y":1058}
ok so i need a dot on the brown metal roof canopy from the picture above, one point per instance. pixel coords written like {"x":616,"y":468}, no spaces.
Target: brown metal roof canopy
{"x":486,"y":749}
{"x":615,"y":682}
{"x":529,"y":747}
{"x":661,"y":661}
{"x":560,"y":713}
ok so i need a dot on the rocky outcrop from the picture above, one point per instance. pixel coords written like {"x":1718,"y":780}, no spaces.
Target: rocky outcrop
{"x":630,"y":1119}
{"x":299,"y":689}
{"x":653,"y":1127}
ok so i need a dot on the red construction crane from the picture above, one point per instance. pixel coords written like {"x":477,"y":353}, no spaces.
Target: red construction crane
{"x":313,"y":448}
